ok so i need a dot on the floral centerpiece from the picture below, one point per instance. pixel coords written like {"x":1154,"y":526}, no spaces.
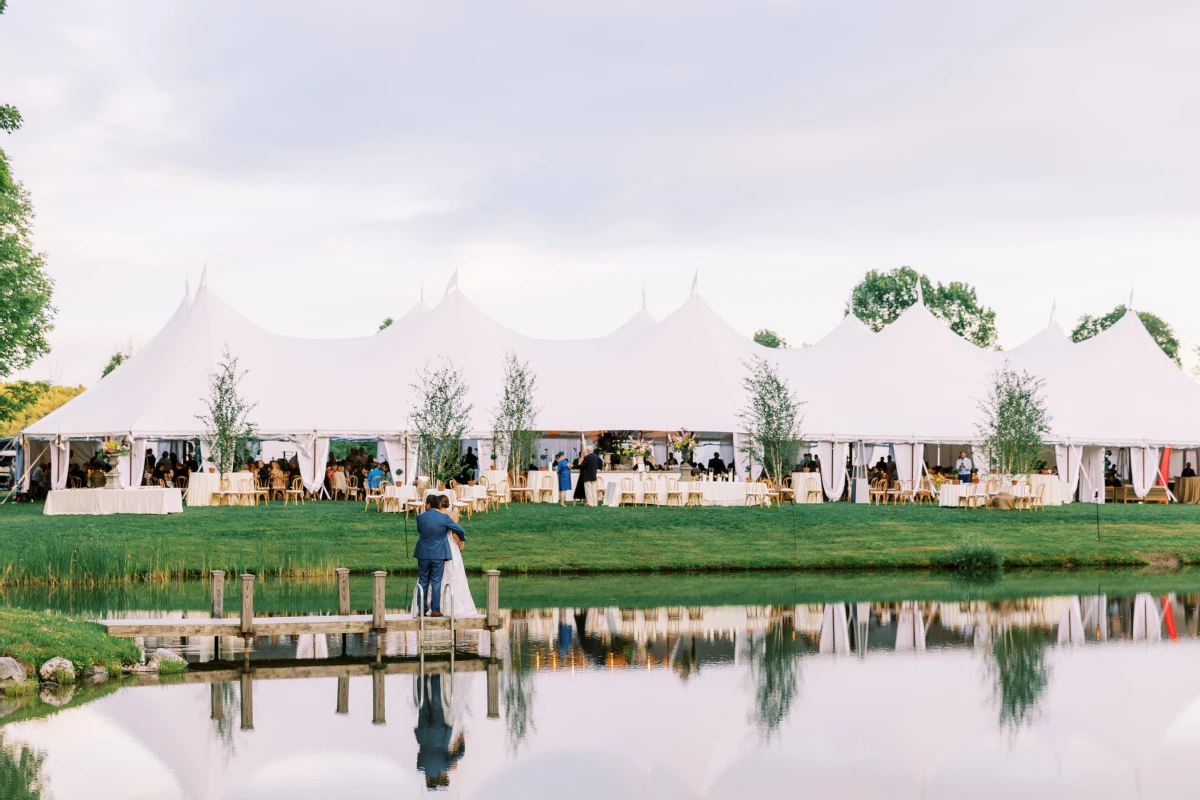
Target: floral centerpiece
{"x":685,"y":443}
{"x":636,"y":450}
{"x":113,"y":451}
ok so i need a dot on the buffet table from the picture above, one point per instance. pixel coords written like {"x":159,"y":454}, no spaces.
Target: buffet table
{"x":1055,"y":494}
{"x":203,"y":485}
{"x":714,"y":493}
{"x":146,"y":500}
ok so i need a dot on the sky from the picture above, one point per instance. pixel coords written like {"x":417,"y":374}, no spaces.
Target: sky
{"x":325,"y":160}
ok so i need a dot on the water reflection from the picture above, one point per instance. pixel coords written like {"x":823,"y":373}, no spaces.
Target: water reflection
{"x":856,"y":699}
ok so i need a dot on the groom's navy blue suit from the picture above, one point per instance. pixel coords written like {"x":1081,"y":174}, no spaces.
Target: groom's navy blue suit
{"x":433,"y":551}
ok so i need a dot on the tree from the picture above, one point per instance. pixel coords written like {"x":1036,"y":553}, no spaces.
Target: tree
{"x":228,"y":429}
{"x":769,"y":338}
{"x":118,"y":358}
{"x":1162,"y":333}
{"x":514,"y":420}
{"x":440,"y":418}
{"x":880,"y":297}
{"x":1017,"y":666}
{"x":1015,"y":422}
{"x":21,"y":776}
{"x":771,"y":419}
{"x":387,"y":323}
{"x":775,"y":671}
{"x":23,"y":403}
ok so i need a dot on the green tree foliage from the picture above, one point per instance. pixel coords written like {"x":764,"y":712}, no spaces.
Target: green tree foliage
{"x":118,"y":358}
{"x":1015,"y":422}
{"x":20,"y":766}
{"x":387,"y":323}
{"x":771,"y":418}
{"x":775,"y":672}
{"x":514,"y":420}
{"x":1017,"y":666}
{"x":228,"y":430}
{"x":1162,"y":333}
{"x":769,"y":338}
{"x":880,"y":297}
{"x":440,"y":418}
{"x":23,"y":403}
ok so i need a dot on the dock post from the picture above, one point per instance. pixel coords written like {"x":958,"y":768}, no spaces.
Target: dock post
{"x":343,"y":590}
{"x":247,"y":681}
{"x":218,"y":593}
{"x":493,"y":598}
{"x":493,"y":688}
{"x":216,"y":700}
{"x":378,"y":609}
{"x":343,"y":697}
{"x":247,"y":607}
{"x":377,"y":696}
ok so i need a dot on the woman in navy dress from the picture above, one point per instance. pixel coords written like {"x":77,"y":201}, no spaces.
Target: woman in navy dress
{"x":564,"y":478}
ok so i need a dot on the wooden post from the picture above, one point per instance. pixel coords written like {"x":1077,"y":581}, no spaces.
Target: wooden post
{"x":247,"y":700}
{"x":493,"y":688}
{"x":247,"y":604}
{"x":343,"y":697}
{"x":377,"y":698}
{"x":493,"y":598}
{"x":218,"y":593}
{"x":216,"y":700}
{"x":343,"y":589}
{"x":378,"y":611}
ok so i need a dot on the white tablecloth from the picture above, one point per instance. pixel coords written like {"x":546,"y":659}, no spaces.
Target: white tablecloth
{"x":203,"y":485}
{"x":800,"y":486}
{"x":145,"y":500}
{"x":715,"y":493}
{"x":1056,"y":489}
{"x":949,"y":493}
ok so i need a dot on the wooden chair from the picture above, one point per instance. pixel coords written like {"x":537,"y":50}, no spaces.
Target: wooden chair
{"x":279,"y":487}
{"x":877,"y":492}
{"x":649,"y":492}
{"x":924,"y":492}
{"x":627,"y":493}
{"x":374,"y":496}
{"x":891,"y":492}
{"x":695,"y":495}
{"x":337,"y":487}
{"x":755,"y":494}
{"x":226,"y":495}
{"x":459,"y":504}
{"x":415,"y":504}
{"x":260,"y":490}
{"x":296,"y":493}
{"x":521,"y":493}
{"x":546,"y":490}
{"x":772,"y":493}
{"x":601,"y":491}
{"x":181,"y":483}
{"x":786,"y":493}
{"x":812,"y":491}
{"x":74,"y":483}
{"x":501,"y":494}
{"x":391,"y":500}
{"x":1038,"y":499}
{"x":1023,"y":497}
{"x":906,"y":495}
{"x":967,"y":499}
{"x":673,"y":492}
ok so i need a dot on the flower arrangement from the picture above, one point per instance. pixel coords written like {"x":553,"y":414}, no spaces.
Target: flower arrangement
{"x":684,"y":441}
{"x":636,"y":447}
{"x":115,"y":448}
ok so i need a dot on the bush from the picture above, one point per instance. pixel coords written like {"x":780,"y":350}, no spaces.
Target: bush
{"x":974,"y":560}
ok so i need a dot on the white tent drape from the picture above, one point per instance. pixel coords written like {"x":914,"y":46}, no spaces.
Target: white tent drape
{"x":393,"y":453}
{"x":910,"y":629}
{"x":60,"y":462}
{"x":311,"y":454}
{"x":745,"y":465}
{"x":833,"y":468}
{"x":133,"y":467}
{"x":910,"y":461}
{"x":1068,"y":459}
{"x":1091,"y":484}
{"x":1143,"y":464}
{"x":1070,"y":623}
{"x":1147,"y":625}
{"x":835,"y":637}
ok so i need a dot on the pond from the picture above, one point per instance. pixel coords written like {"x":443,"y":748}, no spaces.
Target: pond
{"x":850,"y":685}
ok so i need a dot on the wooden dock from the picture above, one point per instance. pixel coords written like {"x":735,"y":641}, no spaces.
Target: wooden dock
{"x":343,"y":622}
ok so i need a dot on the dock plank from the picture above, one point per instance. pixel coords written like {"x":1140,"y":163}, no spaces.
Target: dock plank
{"x":283,"y":626}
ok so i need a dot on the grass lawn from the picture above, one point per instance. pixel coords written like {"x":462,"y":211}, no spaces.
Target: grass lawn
{"x":33,"y":638}
{"x":314,"y":538}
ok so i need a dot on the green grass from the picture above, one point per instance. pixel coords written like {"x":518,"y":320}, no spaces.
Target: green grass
{"x":33,"y":638}
{"x":309,"y":541}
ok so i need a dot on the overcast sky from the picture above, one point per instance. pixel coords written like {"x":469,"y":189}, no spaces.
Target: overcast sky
{"x":326,"y":158}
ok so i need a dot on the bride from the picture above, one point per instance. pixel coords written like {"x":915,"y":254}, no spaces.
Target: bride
{"x":454,"y":576}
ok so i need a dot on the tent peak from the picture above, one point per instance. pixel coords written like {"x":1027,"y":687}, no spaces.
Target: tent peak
{"x":452,"y":286}
{"x":695,"y":282}
{"x":1053,"y":308}
{"x":643,"y":297}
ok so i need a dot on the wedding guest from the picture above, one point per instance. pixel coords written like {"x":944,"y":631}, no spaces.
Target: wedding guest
{"x":963,"y":467}
{"x":264,"y":474}
{"x":470,"y":465}
{"x":374,"y":478}
{"x":1188,"y":472}
{"x":716,"y":465}
{"x":589,"y":470}
{"x":563,"y":467}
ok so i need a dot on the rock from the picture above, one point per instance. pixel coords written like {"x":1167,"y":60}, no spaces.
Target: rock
{"x":58,"y":695}
{"x":11,"y":671}
{"x":163,"y":654}
{"x":58,"y":670}
{"x":10,"y":704}
{"x":95,"y":675}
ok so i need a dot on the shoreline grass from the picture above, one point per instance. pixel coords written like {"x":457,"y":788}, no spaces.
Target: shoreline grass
{"x":310,"y":541}
{"x":35,"y":637}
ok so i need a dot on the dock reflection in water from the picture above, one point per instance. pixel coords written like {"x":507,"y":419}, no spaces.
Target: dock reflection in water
{"x":1047,"y":697}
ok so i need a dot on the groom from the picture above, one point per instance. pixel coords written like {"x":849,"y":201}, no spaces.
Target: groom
{"x":433,"y":551}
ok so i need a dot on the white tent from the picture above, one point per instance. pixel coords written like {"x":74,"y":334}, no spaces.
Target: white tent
{"x":914,"y":382}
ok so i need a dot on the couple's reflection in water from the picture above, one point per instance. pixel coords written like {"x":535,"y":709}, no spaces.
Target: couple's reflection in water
{"x":441,"y":740}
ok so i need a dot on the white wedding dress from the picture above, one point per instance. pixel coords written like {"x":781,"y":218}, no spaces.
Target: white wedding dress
{"x":455,"y":576}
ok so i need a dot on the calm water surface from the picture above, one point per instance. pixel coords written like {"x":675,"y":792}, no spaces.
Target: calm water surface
{"x":1090,"y":694}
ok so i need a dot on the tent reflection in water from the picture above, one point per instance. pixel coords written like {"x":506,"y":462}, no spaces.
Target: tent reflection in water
{"x":834,"y":634}
{"x":1147,"y":625}
{"x":910,"y":629}
{"x":1070,"y":624}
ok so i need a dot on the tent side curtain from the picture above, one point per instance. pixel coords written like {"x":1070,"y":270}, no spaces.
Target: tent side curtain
{"x":833,"y":468}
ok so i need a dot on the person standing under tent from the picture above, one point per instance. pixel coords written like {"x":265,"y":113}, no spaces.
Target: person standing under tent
{"x":589,"y":473}
{"x":716,"y":465}
{"x":470,"y":466}
{"x":563,"y":467}
{"x":963,"y":467}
